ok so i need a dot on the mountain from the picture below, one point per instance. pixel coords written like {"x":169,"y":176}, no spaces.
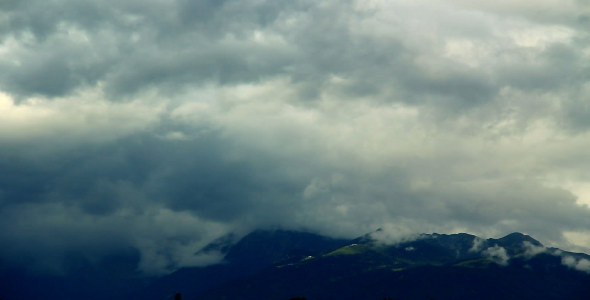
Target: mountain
{"x":117,"y":277}
{"x":253,"y":253}
{"x":281,"y":264}
{"x":435,"y":266}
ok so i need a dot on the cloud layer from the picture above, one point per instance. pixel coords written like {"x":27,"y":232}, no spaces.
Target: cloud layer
{"x":162,"y":125}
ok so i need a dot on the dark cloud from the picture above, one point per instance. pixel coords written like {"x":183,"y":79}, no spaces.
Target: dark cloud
{"x":160,"y":126}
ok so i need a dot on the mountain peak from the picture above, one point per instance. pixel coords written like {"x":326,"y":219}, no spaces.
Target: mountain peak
{"x":517,"y":238}
{"x":365,"y":269}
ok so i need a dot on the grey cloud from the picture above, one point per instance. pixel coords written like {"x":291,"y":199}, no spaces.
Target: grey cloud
{"x":222,"y":181}
{"x":532,"y":250}
{"x":190,"y":43}
{"x":581,"y":264}
{"x":478,"y":244}
{"x":130,"y":46}
{"x":558,"y":66}
{"x":497,"y":254}
{"x":330,"y":116}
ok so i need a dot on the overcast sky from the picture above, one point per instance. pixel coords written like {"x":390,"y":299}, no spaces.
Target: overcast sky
{"x":163,"y":124}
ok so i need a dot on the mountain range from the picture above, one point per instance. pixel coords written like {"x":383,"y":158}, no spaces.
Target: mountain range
{"x":280,"y":264}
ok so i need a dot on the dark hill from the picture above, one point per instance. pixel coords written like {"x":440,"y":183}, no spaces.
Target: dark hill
{"x":434,"y":266}
{"x":282,"y":264}
{"x":253,"y":253}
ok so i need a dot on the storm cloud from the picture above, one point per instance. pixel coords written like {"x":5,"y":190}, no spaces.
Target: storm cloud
{"x":163,"y":125}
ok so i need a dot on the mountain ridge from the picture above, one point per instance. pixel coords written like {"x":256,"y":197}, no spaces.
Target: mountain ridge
{"x":364,"y":268}
{"x":297,"y":263}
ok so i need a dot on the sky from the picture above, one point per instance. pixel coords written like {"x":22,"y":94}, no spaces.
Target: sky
{"x":161,"y":125}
